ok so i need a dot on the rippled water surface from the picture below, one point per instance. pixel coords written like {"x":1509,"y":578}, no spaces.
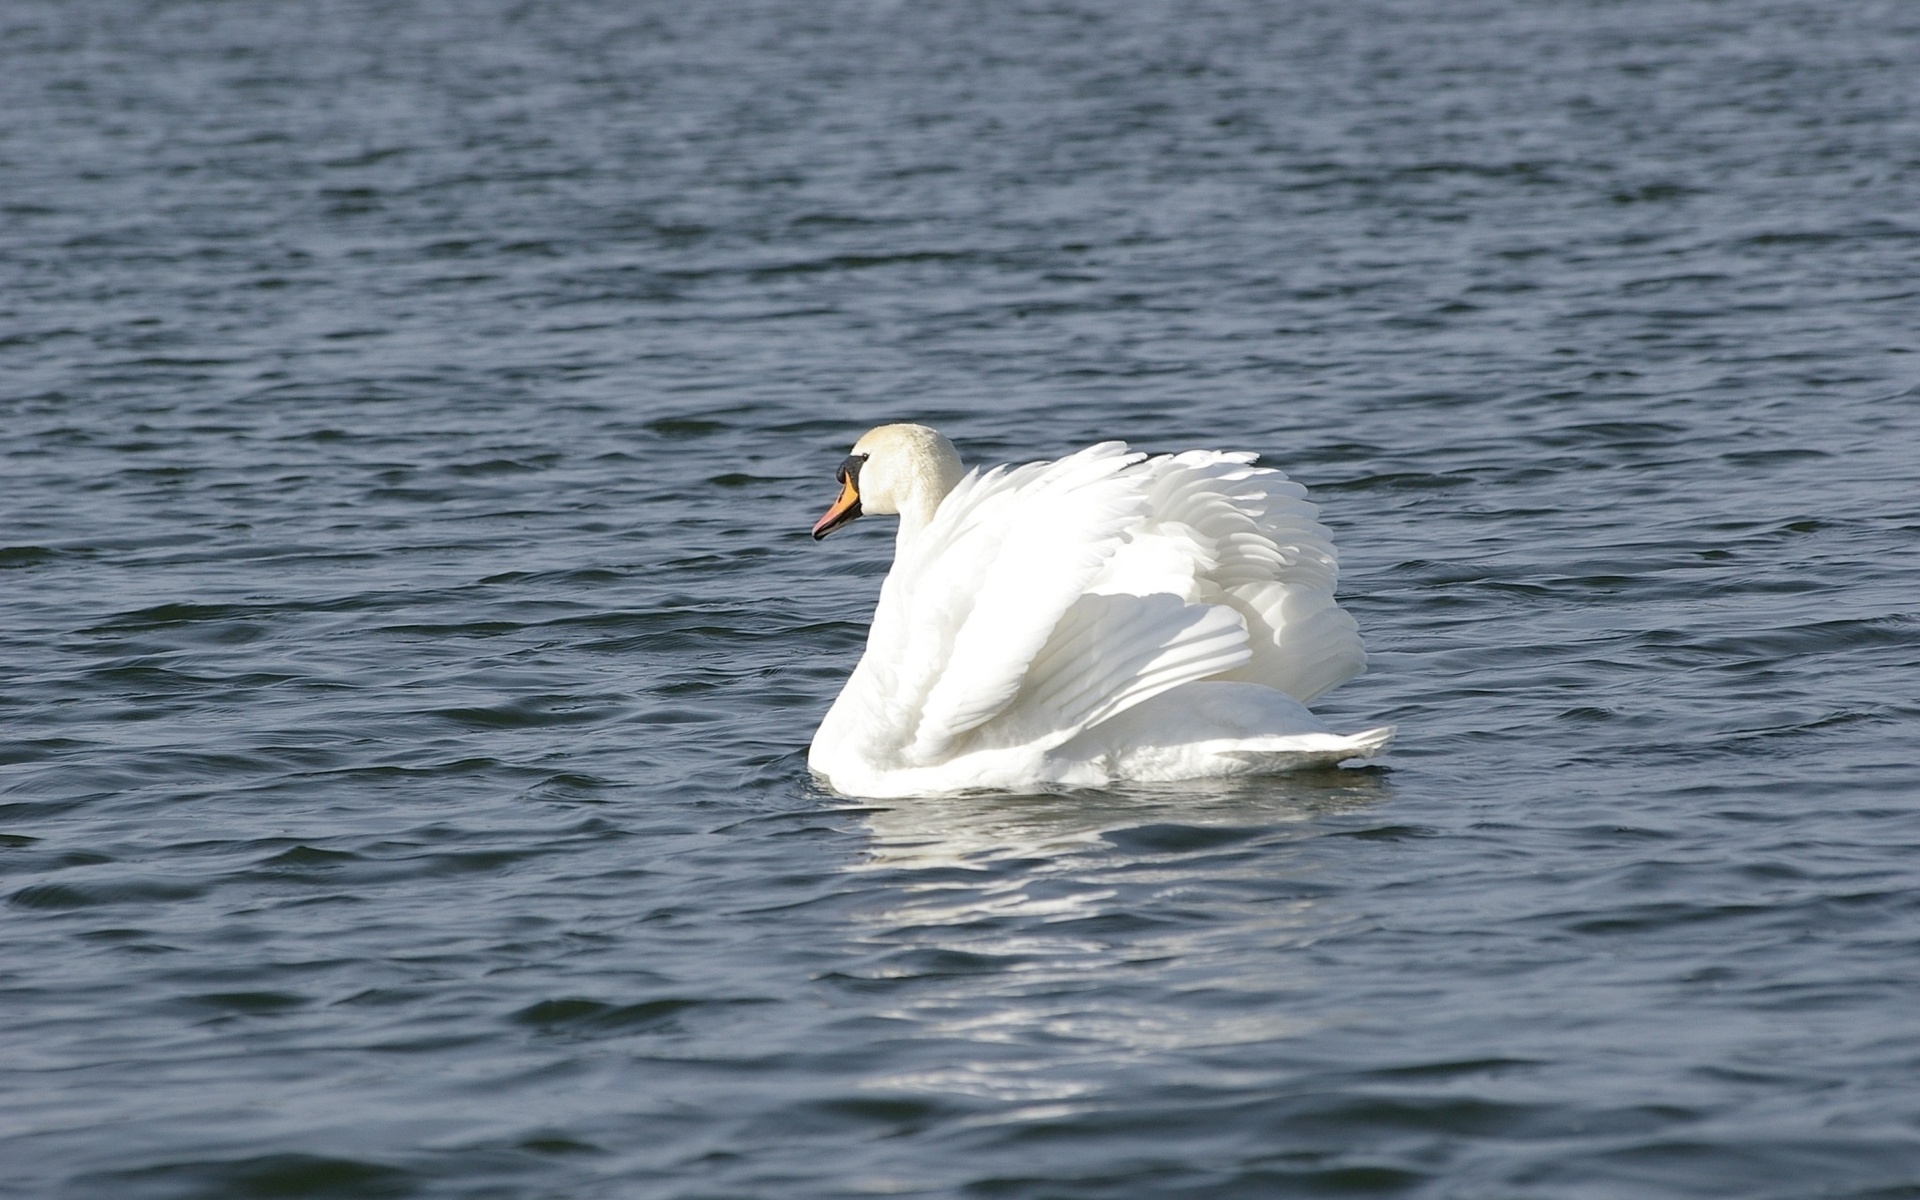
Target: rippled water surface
{"x":410,"y":418}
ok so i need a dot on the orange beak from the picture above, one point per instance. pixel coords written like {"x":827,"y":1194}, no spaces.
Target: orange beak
{"x":845,"y":509}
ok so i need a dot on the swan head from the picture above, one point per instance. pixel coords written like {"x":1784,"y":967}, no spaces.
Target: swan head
{"x":904,"y":469}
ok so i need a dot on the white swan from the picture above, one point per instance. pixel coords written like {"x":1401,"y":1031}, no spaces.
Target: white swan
{"x":1101,"y":618}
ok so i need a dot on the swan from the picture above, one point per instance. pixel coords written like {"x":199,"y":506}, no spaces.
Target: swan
{"x":1101,"y":618}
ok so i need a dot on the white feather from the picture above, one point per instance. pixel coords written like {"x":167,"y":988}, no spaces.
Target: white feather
{"x":1051,"y":623}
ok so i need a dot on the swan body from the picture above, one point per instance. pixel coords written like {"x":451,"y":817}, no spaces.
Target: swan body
{"x":1100,"y":618}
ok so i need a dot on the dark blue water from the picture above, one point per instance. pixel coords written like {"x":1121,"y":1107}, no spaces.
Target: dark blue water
{"x":410,"y":420}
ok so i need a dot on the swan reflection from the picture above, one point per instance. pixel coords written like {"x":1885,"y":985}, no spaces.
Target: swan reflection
{"x":974,"y":831}
{"x":1106,"y":927}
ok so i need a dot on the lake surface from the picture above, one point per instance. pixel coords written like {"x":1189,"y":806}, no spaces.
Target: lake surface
{"x":411,"y":416}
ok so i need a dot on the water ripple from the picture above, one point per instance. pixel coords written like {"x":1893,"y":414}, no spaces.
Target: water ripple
{"x":413,"y":419}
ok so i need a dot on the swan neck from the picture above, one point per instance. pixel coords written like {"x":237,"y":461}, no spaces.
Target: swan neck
{"x":935,"y":473}
{"x":915,"y":516}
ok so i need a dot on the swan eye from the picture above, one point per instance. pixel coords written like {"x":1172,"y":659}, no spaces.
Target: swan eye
{"x":849,"y":471}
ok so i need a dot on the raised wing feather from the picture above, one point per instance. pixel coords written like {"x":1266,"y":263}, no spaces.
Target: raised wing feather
{"x":1259,"y":547}
{"x":982,"y":587}
{"x":1110,"y":652}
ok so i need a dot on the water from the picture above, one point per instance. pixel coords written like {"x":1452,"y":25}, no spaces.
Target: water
{"x":412,"y":419}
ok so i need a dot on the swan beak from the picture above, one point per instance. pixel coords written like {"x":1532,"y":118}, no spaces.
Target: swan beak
{"x":845,"y":509}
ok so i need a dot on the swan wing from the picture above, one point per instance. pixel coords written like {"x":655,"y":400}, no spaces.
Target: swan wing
{"x":1110,"y":652}
{"x":977,"y":594}
{"x":1255,"y":543}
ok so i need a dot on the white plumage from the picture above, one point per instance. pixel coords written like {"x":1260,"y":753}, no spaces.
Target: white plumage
{"x":1104,"y":617}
